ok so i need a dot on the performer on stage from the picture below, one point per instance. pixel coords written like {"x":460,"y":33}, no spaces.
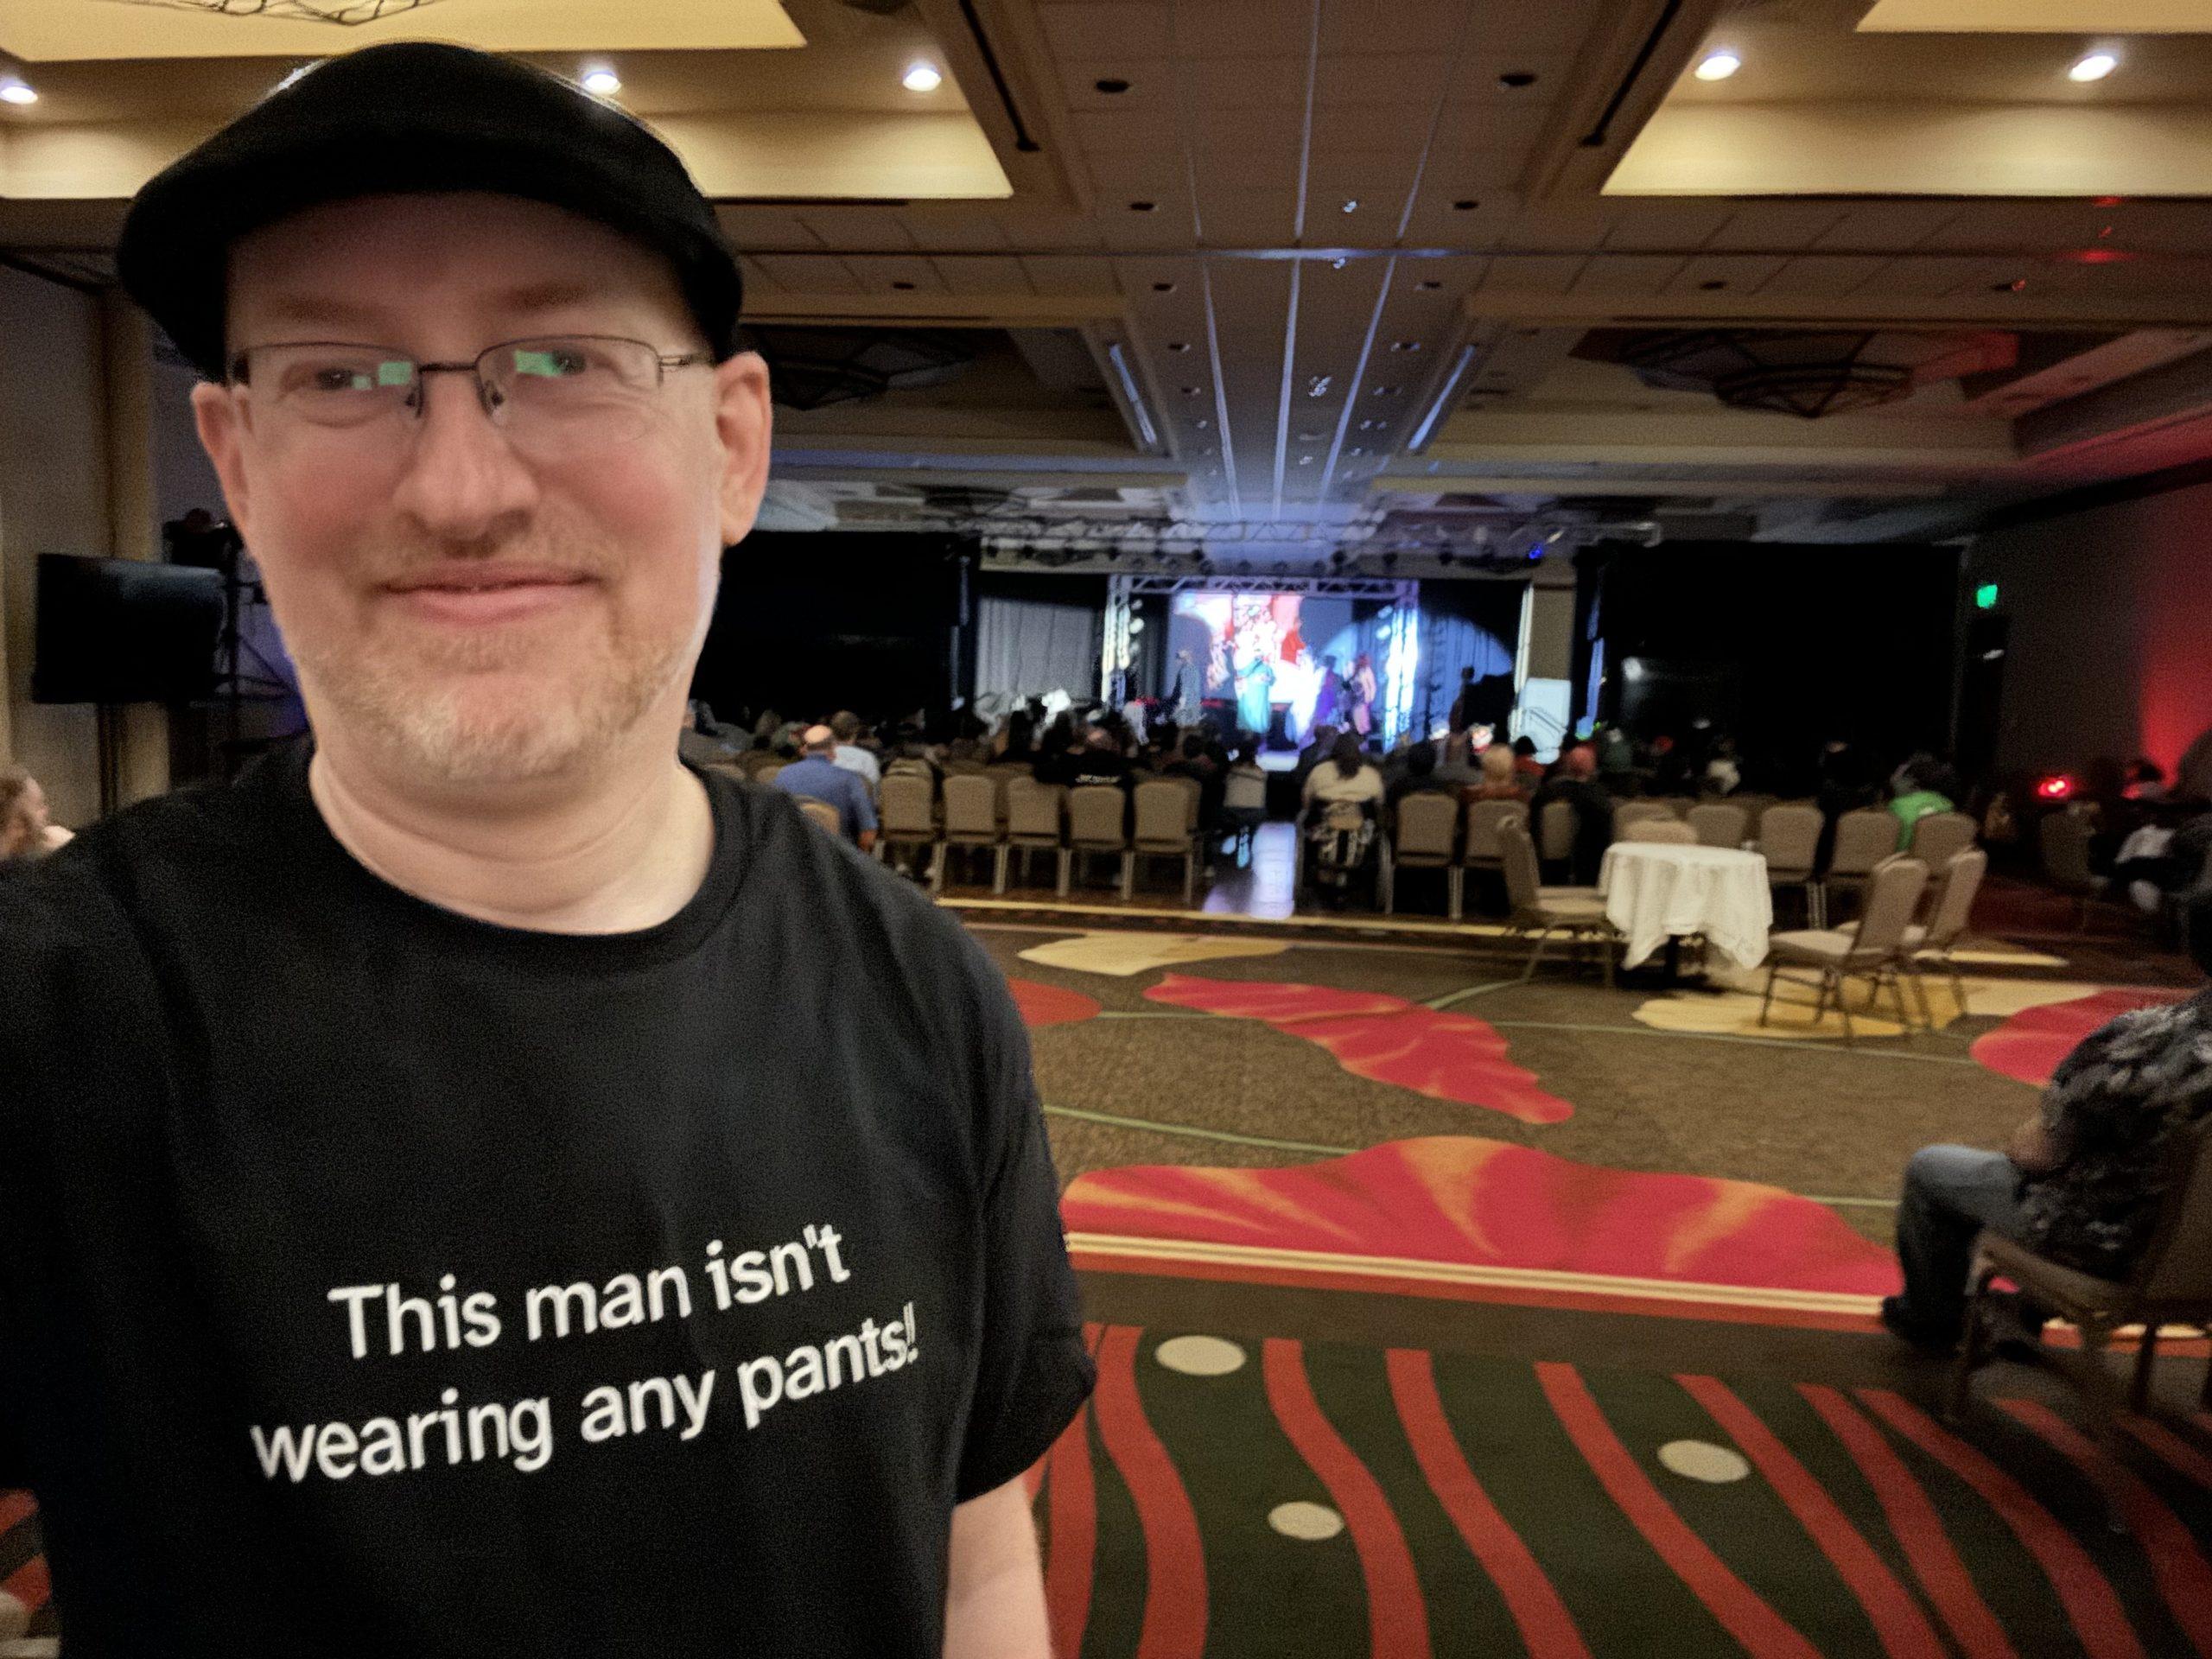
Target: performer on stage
{"x":1360,"y":692}
{"x":1254,"y":691}
{"x":1184,"y":696}
{"x":1328,"y":698}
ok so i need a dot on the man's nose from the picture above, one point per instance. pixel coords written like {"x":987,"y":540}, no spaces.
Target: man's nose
{"x":463,"y":476}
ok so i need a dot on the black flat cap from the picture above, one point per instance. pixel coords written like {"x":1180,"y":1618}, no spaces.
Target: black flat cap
{"x":407,"y":119}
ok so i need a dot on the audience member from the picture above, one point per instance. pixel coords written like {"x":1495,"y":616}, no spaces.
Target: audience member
{"x":1100,"y":760}
{"x":699,"y":740}
{"x":1724,"y":774}
{"x":1457,"y":770}
{"x":1576,"y":783}
{"x":850,"y":752}
{"x":1347,"y":775}
{"x":25,"y":830}
{"x":1917,"y":794}
{"x":964,"y":756}
{"x":817,"y":775}
{"x":2083,"y":1178}
{"x":1526,"y":766}
{"x":1501,"y":777}
{"x":1422,"y":776}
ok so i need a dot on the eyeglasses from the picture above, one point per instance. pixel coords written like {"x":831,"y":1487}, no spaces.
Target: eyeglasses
{"x":553,"y":396}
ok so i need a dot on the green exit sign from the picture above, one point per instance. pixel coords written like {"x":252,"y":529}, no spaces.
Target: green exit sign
{"x":1984,"y":597}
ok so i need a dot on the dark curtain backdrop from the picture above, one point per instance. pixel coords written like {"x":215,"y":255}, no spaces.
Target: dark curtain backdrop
{"x":1466,"y":624}
{"x":810,"y":622}
{"x":1782,"y":646}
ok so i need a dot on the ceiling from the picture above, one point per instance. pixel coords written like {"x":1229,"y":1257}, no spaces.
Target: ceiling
{"x":1307,"y":277}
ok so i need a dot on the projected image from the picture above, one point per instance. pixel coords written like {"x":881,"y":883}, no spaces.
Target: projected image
{"x":1287,"y":663}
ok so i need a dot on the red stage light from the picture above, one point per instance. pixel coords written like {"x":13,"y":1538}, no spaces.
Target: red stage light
{"x":2056,"y":787}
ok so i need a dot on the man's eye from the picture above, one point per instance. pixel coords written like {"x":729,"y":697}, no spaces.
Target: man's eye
{"x":551,"y":363}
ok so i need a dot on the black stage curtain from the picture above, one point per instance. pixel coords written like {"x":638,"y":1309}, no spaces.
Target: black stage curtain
{"x":810,"y":622}
{"x":1782,"y":646}
{"x":1467,"y":624}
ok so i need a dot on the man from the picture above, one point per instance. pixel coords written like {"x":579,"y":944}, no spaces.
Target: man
{"x":849,"y":754}
{"x":1464,"y":713}
{"x":478,"y":1186}
{"x":2083,"y":1178}
{"x":816,"y":775}
{"x":1576,"y":783}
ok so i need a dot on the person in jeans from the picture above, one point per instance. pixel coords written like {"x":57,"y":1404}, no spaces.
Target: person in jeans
{"x":2083,"y":1178}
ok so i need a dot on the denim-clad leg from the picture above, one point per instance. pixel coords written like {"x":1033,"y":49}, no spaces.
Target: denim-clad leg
{"x":1950,"y":1194}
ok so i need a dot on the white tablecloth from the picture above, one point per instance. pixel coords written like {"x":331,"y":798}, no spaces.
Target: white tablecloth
{"x":1654,"y":888}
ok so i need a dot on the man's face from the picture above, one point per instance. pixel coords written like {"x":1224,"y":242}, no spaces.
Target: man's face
{"x":475,"y":690}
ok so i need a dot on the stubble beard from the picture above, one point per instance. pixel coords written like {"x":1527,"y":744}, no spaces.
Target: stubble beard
{"x":506,"y":703}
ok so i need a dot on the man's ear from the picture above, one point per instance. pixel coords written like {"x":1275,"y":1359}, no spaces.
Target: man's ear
{"x":744,"y":423}
{"x":222,"y":433}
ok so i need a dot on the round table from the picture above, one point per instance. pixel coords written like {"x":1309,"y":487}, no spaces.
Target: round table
{"x":1656,"y":891}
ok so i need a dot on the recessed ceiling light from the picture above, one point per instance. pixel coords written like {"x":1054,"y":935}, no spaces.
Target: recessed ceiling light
{"x":1351,"y":204}
{"x":16,"y":91}
{"x":921,"y":78}
{"x":1465,"y":205}
{"x":1719,"y":66}
{"x":1429,"y":284}
{"x":601,"y":82}
{"x":1513,"y":80}
{"x":1112,"y":85}
{"x":2095,"y":67}
{"x":1142,"y":207}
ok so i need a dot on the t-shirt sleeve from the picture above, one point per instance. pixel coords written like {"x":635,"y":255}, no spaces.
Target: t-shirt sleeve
{"x":863,"y":807}
{"x":1032,"y":1370}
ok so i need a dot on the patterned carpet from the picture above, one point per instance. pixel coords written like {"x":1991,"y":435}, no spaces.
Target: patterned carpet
{"x":1282,"y":1498}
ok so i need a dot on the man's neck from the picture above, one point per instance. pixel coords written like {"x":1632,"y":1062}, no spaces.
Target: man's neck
{"x":619,"y":850}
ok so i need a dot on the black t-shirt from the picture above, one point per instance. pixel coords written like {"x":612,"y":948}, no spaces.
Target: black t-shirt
{"x":377,"y":1280}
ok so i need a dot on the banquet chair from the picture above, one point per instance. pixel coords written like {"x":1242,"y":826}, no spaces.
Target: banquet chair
{"x":1578,"y":912}
{"x":972,"y":820}
{"x":1097,"y":822}
{"x":1940,"y":837}
{"x":1719,"y":823}
{"x":1032,"y":823}
{"x":1957,"y":882}
{"x":1481,"y":850}
{"x":1672,"y":831}
{"x":2170,"y":1284}
{"x":905,"y":815}
{"x":1556,"y":829}
{"x":1423,"y":839}
{"x":1789,"y":840}
{"x":2064,"y":839}
{"x":1864,"y":837}
{"x":823,"y":814}
{"x":1630,"y":812}
{"x":1166,"y":827}
{"x":1873,"y":950}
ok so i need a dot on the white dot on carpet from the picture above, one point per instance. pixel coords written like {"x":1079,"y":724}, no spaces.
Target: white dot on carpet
{"x":1199,"y":1355}
{"x":1702,"y":1460}
{"x":1309,"y":1522}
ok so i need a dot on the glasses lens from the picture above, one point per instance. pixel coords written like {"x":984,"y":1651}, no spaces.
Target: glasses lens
{"x":572,"y":388}
{"x":330,"y":386}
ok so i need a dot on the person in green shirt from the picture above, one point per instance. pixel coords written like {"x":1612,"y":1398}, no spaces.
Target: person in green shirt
{"x":1921,"y":787}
